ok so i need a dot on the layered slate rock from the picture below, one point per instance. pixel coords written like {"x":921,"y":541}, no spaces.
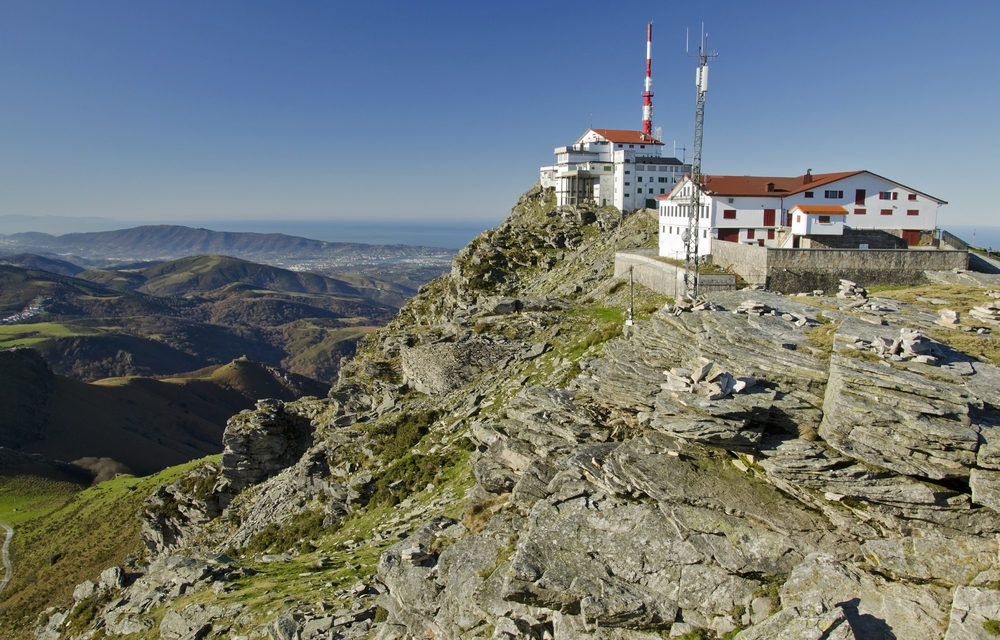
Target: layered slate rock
{"x":898,"y":419}
{"x":439,"y":368}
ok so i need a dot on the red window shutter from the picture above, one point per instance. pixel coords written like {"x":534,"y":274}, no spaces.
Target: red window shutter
{"x":769,"y":217}
{"x":770,"y":234}
{"x":749,"y":234}
{"x":859,"y":212}
{"x":913,"y":212}
{"x":729,"y":214}
{"x":911,"y":196}
{"x":859,"y":197}
{"x":760,"y":243}
{"x":887,"y":212}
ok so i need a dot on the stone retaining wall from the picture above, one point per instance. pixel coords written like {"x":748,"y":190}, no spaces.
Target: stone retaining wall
{"x":795,"y":270}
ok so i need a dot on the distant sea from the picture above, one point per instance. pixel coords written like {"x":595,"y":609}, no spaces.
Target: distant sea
{"x":984,"y":237}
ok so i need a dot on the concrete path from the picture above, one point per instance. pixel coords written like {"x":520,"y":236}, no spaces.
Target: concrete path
{"x":7,"y":570}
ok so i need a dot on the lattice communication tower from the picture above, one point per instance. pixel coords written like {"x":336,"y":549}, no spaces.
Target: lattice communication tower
{"x":694,"y":207}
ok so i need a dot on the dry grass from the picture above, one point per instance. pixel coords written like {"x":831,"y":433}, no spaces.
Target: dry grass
{"x":821,"y":337}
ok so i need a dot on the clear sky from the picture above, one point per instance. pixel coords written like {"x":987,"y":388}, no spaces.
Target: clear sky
{"x":153,"y":110}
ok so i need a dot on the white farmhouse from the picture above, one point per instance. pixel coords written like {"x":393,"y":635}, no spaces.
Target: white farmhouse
{"x":755,"y":209}
{"x":615,"y":167}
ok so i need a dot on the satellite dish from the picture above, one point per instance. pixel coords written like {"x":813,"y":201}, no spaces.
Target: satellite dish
{"x":687,"y":235}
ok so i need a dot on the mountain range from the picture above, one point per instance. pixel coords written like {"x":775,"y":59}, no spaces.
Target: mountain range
{"x":164,"y":242}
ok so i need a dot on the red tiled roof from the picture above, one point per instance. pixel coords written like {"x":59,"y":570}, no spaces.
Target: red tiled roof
{"x":825,"y":209}
{"x":625,"y":136}
{"x":757,"y":185}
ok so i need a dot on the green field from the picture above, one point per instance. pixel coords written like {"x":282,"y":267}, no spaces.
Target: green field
{"x":63,"y":538}
{"x":24,"y":335}
{"x":25,"y":498}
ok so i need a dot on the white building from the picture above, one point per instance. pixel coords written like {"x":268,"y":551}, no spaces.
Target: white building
{"x":755,"y":209}
{"x":613,"y":167}
{"x":817,"y":219}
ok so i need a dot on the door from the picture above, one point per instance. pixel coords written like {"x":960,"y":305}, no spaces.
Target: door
{"x":859,"y":197}
{"x":729,"y":235}
{"x":912,"y":237}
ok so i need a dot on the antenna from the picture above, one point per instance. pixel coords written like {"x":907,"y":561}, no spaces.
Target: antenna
{"x":647,"y":105}
{"x":691,"y":258}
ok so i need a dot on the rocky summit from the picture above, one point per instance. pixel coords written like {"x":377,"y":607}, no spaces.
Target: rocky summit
{"x":508,"y":460}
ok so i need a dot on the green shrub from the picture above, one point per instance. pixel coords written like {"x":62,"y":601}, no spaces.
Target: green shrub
{"x":286,"y":535}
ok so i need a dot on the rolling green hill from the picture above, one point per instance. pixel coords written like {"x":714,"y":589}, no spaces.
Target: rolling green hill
{"x":145,"y":424}
{"x":187,"y":314}
{"x":35,"y":261}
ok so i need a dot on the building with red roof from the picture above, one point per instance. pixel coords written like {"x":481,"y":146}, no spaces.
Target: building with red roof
{"x":613,"y":167}
{"x":756,"y":209}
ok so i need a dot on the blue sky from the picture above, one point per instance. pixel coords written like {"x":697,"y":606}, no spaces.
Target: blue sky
{"x":177,"y":111}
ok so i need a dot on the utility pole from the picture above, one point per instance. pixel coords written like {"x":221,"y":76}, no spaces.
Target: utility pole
{"x":631,"y":298}
{"x":694,"y":208}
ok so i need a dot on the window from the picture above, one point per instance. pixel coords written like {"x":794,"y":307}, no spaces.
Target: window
{"x":729,"y":214}
{"x":770,"y":234}
{"x":859,"y":212}
{"x":607,"y":168}
{"x":831,"y":195}
{"x":627,"y":172}
{"x":750,"y":234}
{"x":886,"y":212}
{"x":639,"y":179}
{"x":619,"y":146}
{"x":651,"y":191}
{"x":911,"y":197}
{"x":662,"y":191}
{"x":809,"y":194}
{"x":798,"y":218}
{"x":631,"y":146}
{"x":886,"y":195}
{"x":823,"y":219}
{"x":628,"y":184}
{"x":913,"y":212}
{"x":642,"y":146}
{"x":769,"y":217}
{"x":859,"y":197}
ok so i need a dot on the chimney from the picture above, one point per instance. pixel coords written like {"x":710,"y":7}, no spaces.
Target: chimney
{"x":770,"y":187}
{"x":806,"y":179}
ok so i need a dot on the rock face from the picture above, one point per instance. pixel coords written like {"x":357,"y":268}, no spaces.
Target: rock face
{"x":258,"y":444}
{"x":750,"y":466}
{"x":439,"y":368}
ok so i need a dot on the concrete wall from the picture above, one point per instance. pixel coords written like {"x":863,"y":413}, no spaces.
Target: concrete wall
{"x":649,"y":272}
{"x":665,"y":278}
{"x":749,"y":261}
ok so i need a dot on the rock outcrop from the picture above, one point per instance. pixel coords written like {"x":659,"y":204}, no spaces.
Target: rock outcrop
{"x":507,"y":460}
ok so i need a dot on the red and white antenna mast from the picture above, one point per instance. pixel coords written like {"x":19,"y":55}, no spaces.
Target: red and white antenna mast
{"x":647,"y":106}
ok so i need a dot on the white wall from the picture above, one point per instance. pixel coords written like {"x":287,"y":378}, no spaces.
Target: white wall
{"x":750,"y":210}
{"x":808,"y":224}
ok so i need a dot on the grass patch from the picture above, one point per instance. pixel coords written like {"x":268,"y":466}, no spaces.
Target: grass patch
{"x":982,"y":347}
{"x":821,"y":337}
{"x":25,"y":498}
{"x":992,"y":627}
{"x":92,"y":530}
